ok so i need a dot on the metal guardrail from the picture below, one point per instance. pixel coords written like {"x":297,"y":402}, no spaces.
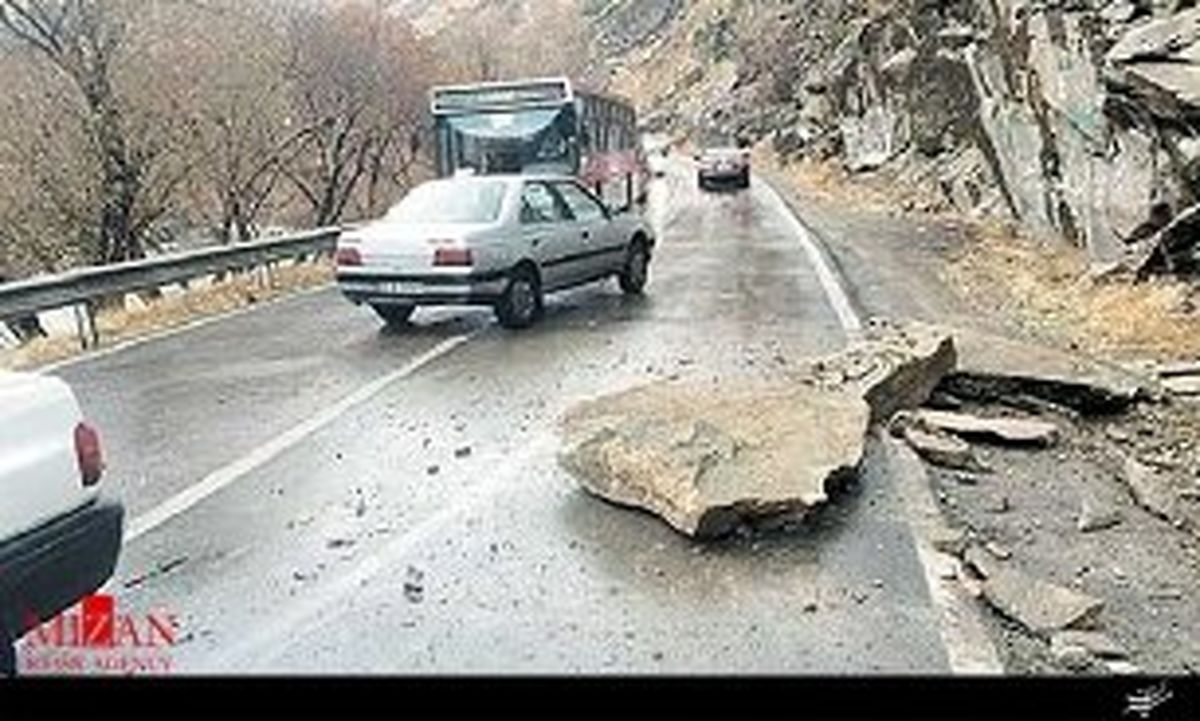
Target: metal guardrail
{"x":81,"y":286}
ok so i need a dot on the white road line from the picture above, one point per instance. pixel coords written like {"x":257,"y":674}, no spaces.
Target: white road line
{"x":834,"y":291}
{"x":226,"y":475}
{"x":261,"y":648}
{"x":968,"y":648}
{"x":176,"y":330}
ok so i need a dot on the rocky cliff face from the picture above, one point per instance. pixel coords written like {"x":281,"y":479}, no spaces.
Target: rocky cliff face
{"x":1079,"y":118}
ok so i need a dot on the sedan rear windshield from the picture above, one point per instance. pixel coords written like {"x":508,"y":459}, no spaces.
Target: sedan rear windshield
{"x":451,"y":202}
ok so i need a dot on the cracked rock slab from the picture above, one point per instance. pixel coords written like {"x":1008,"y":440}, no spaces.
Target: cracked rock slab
{"x":993,"y":368}
{"x":942,"y":449}
{"x":1095,"y":643}
{"x":1040,"y":606}
{"x":1015,"y":431}
{"x":709,"y":457}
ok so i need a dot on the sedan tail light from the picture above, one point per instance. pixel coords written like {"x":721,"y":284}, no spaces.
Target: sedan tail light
{"x":348,"y":255}
{"x":89,"y":454}
{"x":453,"y":256}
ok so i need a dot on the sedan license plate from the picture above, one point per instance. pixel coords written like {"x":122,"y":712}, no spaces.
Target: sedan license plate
{"x":384,"y":287}
{"x":401,"y":288}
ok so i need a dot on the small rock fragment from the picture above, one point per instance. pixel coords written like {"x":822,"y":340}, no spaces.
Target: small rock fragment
{"x":1072,"y":658}
{"x":1096,"y":517}
{"x":979,"y":561}
{"x":1018,"y":431}
{"x":433,"y":470}
{"x":1118,"y":434}
{"x":462,"y":452}
{"x":1096,"y":643}
{"x":941,"y":400}
{"x":949,"y":541}
{"x":414,"y":588}
{"x":1187,"y":386}
{"x":1151,"y":490}
{"x":997,"y":550}
{"x":998,"y":504}
{"x":1123,"y":668}
{"x":1038,"y":605}
{"x":1166,"y":594}
{"x":943,"y":449}
{"x":972,"y":586}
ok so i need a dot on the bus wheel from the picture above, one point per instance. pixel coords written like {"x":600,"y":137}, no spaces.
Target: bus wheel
{"x":637,"y":270}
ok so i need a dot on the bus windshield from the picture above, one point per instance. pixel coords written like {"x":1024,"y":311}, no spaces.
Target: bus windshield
{"x":533,"y":140}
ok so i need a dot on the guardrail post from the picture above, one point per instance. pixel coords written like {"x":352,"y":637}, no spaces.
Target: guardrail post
{"x":85,"y":325}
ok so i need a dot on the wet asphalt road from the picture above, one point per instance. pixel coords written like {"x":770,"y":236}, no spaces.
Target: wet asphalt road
{"x":427,"y":529}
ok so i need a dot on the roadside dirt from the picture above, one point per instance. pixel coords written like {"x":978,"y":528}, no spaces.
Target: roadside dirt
{"x":978,"y":274}
{"x":1142,"y":567}
{"x":117,"y":325}
{"x":1040,"y":286}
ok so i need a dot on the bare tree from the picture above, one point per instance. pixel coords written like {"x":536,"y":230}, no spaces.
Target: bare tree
{"x":245,"y":132}
{"x":82,"y":39}
{"x":357,"y":81}
{"x":125,"y":122}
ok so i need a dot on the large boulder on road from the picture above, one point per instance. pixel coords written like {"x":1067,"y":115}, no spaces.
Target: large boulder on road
{"x":710,"y":457}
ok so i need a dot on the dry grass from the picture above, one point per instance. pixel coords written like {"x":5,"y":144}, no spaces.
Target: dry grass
{"x":830,"y":181}
{"x":1045,"y":286}
{"x":117,"y":325}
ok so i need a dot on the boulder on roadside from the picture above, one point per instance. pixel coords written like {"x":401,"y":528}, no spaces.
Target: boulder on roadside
{"x":708,"y":457}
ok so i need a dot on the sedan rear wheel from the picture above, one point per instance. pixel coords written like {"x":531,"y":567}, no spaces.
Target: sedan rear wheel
{"x":8,"y":655}
{"x":637,"y":270}
{"x":522,"y":301}
{"x":394,"y":315}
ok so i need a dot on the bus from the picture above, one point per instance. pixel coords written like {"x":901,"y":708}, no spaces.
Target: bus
{"x":542,"y":126}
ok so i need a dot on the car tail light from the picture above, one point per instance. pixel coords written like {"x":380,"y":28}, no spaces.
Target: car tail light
{"x":452,"y":256}
{"x":348,"y":256}
{"x":89,"y":454}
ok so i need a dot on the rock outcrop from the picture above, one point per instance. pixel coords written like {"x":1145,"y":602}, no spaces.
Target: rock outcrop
{"x":1079,"y":119}
{"x":709,"y":457}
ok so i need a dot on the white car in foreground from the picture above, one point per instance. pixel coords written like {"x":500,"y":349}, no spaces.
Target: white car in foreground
{"x":503,"y":241}
{"x":59,"y":540}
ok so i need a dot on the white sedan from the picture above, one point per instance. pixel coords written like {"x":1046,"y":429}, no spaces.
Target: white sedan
{"x":59,"y":538}
{"x":503,"y":241}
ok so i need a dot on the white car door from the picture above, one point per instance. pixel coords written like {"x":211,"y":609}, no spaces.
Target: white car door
{"x":601,"y":251}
